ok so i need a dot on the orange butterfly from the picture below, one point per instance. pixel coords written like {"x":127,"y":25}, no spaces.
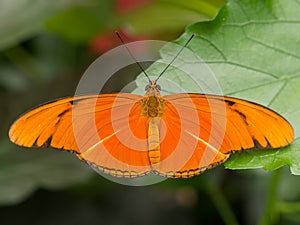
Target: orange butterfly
{"x":128,"y":135}
{"x":136,"y":134}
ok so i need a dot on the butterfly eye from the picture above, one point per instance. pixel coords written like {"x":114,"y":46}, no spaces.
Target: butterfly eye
{"x":158,"y":87}
{"x":147,"y":87}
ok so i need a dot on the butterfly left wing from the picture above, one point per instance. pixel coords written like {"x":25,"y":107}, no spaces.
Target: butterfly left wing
{"x":106,"y":131}
{"x":202,"y":131}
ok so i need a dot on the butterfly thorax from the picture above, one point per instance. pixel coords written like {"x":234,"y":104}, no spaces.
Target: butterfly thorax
{"x":152,"y":103}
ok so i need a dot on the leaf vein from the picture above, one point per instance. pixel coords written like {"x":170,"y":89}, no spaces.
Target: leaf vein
{"x":273,"y":47}
{"x":242,"y":66}
{"x":278,"y":92}
{"x":214,"y":46}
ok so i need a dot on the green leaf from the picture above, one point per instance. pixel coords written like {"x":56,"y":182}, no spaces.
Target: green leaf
{"x":170,"y":15}
{"x":268,"y":159}
{"x":81,"y":23}
{"x":252,"y":49}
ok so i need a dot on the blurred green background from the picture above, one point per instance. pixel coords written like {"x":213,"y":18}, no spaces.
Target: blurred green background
{"x":45,"y":47}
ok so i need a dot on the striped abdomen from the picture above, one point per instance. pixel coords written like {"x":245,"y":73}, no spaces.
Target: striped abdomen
{"x":154,"y":140}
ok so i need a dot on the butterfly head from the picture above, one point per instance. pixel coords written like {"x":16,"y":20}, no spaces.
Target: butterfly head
{"x":152,"y":89}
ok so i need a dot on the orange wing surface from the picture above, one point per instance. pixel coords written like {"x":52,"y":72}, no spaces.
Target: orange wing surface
{"x":225,"y":125}
{"x":86,"y":126}
{"x":127,"y":135}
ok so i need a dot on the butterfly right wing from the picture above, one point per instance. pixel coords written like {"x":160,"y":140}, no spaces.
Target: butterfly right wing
{"x":200,"y":131}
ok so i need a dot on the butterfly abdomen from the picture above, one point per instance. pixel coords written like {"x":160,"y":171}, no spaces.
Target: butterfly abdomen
{"x":154,"y":141}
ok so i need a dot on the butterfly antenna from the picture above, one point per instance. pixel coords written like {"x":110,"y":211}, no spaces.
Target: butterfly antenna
{"x":132,"y":56}
{"x":178,"y":53}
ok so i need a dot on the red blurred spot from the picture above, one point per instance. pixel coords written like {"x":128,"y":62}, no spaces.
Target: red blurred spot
{"x":106,"y":41}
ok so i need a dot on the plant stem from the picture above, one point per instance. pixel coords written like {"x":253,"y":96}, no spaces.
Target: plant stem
{"x":269,"y":215}
{"x":221,"y":205}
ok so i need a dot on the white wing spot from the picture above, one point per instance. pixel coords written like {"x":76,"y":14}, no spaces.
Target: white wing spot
{"x":204,"y":142}
{"x":101,"y":141}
